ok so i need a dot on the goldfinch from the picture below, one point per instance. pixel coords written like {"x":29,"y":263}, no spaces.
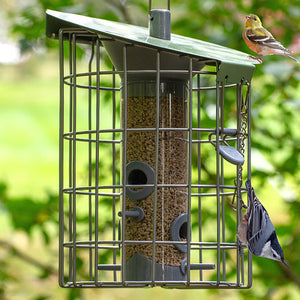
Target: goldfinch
{"x":261,"y":40}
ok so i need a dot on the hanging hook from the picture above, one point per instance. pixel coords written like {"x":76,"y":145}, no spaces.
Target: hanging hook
{"x":235,"y":195}
{"x":226,"y":132}
{"x":210,"y":139}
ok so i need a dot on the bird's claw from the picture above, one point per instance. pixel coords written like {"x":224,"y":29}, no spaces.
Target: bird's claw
{"x":258,"y":58}
{"x":240,"y":248}
{"x":244,"y":205}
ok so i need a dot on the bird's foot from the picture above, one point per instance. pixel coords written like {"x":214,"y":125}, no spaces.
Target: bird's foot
{"x":240,"y":248}
{"x":244,"y":205}
{"x":258,"y":58}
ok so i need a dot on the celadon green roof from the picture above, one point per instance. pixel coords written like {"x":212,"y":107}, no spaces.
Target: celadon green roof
{"x":233,"y":63}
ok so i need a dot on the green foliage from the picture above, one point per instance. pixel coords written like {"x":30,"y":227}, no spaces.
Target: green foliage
{"x":275,"y":125}
{"x":27,"y":214}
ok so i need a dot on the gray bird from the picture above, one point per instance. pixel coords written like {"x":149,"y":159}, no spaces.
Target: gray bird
{"x":256,"y":230}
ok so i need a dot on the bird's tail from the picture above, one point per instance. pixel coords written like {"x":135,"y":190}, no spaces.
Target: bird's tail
{"x":287,"y":53}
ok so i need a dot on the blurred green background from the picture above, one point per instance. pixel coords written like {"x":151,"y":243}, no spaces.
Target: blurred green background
{"x":29,"y":95}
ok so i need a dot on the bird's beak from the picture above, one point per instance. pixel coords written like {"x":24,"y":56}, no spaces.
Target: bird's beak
{"x":248,"y":17}
{"x":283,"y":261}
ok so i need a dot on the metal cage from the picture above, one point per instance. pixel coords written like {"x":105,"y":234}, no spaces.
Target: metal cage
{"x":150,"y":161}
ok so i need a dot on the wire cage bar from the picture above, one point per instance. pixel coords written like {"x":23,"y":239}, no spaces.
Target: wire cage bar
{"x":171,"y":213}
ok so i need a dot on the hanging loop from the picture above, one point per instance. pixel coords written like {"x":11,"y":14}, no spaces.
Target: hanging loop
{"x":150,"y":5}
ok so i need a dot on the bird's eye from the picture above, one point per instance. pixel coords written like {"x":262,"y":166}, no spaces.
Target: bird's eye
{"x":274,"y":255}
{"x":255,"y":19}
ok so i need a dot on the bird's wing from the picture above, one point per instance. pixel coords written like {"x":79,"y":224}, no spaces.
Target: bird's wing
{"x":263,"y":37}
{"x":259,"y":224}
{"x":256,"y":228}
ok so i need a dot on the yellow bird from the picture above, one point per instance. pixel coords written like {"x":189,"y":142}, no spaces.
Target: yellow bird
{"x":261,"y":41}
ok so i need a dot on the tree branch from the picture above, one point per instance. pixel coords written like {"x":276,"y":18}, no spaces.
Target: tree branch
{"x":15,"y":251}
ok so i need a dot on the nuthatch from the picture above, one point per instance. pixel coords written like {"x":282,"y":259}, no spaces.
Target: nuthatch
{"x":256,"y":230}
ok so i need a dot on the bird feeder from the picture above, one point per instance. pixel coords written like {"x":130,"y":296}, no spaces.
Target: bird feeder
{"x":150,"y":156}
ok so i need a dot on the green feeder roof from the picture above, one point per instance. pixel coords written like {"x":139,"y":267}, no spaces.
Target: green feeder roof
{"x":234,"y":65}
